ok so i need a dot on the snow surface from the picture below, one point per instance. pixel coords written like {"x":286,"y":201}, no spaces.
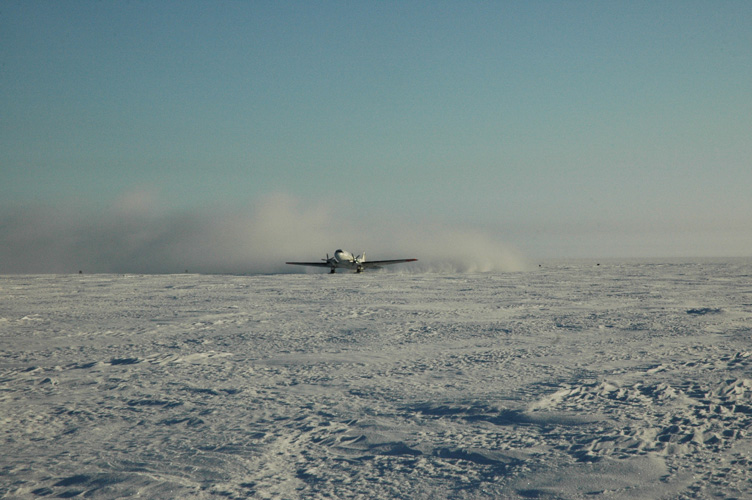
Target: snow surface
{"x":572,"y":380}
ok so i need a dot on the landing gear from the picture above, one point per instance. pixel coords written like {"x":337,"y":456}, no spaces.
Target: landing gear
{"x":332,"y":271}
{"x":359,"y":269}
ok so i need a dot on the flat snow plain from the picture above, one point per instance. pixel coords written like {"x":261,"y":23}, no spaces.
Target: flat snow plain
{"x":572,"y":380}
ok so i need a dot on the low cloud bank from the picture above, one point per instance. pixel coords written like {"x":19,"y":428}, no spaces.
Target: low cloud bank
{"x":137,"y":238}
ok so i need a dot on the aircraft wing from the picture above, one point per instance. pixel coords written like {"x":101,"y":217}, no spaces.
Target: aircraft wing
{"x":314,"y":264}
{"x":379,"y":263}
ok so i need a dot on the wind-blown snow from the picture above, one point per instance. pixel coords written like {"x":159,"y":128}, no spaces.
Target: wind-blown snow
{"x":137,"y":236}
{"x":619,"y":380}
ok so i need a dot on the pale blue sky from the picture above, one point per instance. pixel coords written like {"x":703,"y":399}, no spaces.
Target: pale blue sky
{"x":564,"y":128}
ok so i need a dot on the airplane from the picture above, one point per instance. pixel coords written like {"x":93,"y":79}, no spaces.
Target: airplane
{"x":346,"y":260}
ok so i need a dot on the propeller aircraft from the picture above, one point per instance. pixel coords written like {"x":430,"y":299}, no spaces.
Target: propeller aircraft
{"x":345,"y":260}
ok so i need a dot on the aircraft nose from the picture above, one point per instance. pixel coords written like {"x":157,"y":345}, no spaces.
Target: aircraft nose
{"x":342,"y":255}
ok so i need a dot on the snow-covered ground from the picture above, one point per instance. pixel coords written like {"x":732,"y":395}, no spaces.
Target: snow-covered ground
{"x":571,"y":380}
